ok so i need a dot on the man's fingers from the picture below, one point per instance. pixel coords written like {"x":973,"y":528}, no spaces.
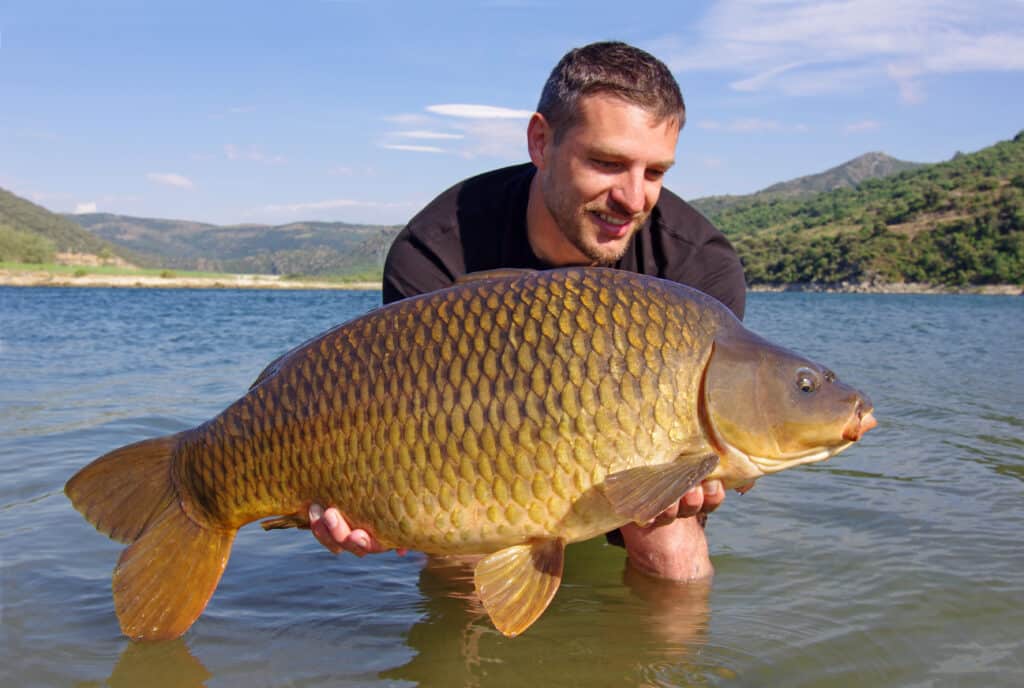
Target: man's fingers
{"x":691,"y":502}
{"x":714,"y":495}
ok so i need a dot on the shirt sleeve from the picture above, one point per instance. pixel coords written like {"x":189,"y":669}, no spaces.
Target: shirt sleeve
{"x":412,"y":267}
{"x":724,"y":278}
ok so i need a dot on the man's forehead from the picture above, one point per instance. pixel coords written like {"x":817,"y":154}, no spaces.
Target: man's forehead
{"x":618,"y":128}
{"x":593,"y":105}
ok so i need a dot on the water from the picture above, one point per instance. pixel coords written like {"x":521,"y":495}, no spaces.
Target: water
{"x":900,"y":563}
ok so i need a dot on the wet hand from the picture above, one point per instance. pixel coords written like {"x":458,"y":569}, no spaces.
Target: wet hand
{"x":701,"y":499}
{"x":333,"y":532}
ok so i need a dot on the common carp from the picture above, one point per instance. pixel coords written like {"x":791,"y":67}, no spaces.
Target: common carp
{"x":508,"y":415}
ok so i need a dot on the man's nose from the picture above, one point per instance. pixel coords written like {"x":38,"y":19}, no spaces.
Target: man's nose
{"x":629,"y":192}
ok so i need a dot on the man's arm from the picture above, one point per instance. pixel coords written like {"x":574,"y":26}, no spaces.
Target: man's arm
{"x":413,"y":267}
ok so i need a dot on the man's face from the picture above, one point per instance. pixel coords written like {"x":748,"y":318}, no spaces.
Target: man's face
{"x":601,"y":181}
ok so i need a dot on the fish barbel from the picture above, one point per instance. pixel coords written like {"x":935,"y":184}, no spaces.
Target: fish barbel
{"x":508,"y":415}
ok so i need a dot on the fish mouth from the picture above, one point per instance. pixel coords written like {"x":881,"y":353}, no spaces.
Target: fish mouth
{"x":861,"y":420}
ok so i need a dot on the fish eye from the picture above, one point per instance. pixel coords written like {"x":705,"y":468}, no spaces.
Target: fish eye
{"x":806,"y":381}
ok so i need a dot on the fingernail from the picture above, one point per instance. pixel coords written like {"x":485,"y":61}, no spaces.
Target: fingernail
{"x":712,"y":487}
{"x":360,"y":541}
{"x":331,"y":519}
{"x":316,"y":512}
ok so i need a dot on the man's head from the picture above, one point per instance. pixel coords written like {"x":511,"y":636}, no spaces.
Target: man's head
{"x":614,"y":69}
{"x":602,"y":139}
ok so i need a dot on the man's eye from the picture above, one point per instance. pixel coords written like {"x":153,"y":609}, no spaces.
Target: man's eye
{"x":655,"y":175}
{"x":606,"y":164}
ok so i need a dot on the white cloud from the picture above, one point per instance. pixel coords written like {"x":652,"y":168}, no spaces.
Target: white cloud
{"x":478,"y":111}
{"x":81,"y":208}
{"x":340,"y":171}
{"x":803,"y":47}
{"x":412,"y":148}
{"x":495,"y":138}
{"x":758,"y":81}
{"x":422,"y":134}
{"x":865,"y":125}
{"x":170,"y":179}
{"x":410,"y":119}
{"x":481,"y":130}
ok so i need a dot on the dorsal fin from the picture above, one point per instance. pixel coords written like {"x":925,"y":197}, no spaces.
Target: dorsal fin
{"x":497,"y":273}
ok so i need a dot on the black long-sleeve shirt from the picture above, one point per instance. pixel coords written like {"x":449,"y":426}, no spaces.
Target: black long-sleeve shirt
{"x":480,"y":224}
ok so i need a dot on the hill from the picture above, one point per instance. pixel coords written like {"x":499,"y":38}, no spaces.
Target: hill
{"x":307,"y":248}
{"x":32,"y":234}
{"x":845,"y":176}
{"x":872,"y":220}
{"x":955,"y":223}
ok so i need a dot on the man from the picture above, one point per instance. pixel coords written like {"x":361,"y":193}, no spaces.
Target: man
{"x":600,"y":143}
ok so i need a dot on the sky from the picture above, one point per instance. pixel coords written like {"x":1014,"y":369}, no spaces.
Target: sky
{"x":363,"y":111}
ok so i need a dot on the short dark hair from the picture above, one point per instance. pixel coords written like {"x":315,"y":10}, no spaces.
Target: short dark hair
{"x":614,"y":68}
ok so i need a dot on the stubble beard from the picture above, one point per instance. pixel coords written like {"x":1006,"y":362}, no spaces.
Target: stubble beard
{"x":573,"y":222}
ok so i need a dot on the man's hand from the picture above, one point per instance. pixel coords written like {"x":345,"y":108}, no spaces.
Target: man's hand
{"x":674,"y":546}
{"x":333,"y":532}
{"x":703,"y":498}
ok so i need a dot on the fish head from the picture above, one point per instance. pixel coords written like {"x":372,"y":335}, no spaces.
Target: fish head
{"x":765,"y":408}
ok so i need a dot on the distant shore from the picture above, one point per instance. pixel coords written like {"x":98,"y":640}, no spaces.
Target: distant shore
{"x":893,"y":288}
{"x":43,"y":278}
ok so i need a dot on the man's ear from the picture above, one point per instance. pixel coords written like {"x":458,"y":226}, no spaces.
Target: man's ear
{"x":539,"y":139}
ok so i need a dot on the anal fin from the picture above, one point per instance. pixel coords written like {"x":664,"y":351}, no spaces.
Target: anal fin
{"x":516,"y":584}
{"x":641,"y":493}
{"x":164,"y":580}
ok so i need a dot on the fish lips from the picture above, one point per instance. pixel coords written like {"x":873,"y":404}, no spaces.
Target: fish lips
{"x":862,"y":420}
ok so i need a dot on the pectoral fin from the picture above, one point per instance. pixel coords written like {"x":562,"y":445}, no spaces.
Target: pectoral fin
{"x":517,"y":583}
{"x":642,"y":493}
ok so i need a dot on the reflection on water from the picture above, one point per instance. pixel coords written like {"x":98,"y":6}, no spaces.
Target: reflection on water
{"x":898,"y":563}
{"x":601,"y":628}
{"x":168,"y":664}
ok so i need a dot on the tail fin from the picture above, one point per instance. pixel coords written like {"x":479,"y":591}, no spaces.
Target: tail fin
{"x":123,"y":491}
{"x":164,"y":580}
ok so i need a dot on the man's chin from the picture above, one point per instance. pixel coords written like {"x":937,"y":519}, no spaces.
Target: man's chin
{"x":608,"y":252}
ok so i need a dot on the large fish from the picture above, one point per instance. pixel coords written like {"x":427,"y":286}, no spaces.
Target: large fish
{"x":507,"y":415}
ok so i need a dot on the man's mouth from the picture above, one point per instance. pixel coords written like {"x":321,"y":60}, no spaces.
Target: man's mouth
{"x":612,"y":226}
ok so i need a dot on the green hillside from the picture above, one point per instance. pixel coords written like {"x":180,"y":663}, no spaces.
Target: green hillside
{"x":954,"y":223}
{"x":845,"y":176}
{"x":32,"y":234}
{"x":307,"y":248}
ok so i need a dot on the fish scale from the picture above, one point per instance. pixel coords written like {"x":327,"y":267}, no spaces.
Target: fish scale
{"x":506,"y":416}
{"x":543,"y":406}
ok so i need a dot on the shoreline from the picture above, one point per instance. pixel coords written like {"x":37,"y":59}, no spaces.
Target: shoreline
{"x":42,"y":278}
{"x":891,"y":288}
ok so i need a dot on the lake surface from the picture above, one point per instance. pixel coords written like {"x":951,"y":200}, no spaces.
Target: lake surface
{"x":899,"y":563}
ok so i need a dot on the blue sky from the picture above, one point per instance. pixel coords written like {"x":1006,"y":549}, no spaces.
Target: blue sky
{"x":271,"y":112}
